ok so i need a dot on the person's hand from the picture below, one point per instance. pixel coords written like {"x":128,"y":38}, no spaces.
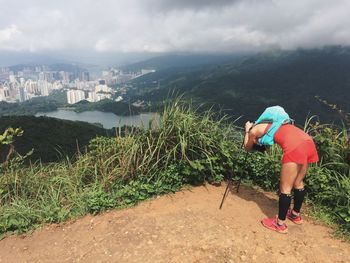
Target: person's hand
{"x":248,"y":126}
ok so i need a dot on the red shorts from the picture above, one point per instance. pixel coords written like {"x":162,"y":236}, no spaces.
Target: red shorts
{"x":305,"y":153}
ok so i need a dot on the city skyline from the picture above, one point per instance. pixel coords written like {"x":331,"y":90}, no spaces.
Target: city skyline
{"x":40,"y":81}
{"x":160,"y":26}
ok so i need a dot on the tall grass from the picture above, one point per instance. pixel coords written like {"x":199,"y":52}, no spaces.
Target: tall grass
{"x":185,"y":147}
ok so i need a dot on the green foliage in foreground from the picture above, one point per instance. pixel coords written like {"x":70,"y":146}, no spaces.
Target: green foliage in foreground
{"x":118,"y":172}
{"x":187,"y":148}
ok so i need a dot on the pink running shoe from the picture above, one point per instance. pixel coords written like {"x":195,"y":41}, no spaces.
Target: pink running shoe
{"x":271,"y":223}
{"x":295,"y":219}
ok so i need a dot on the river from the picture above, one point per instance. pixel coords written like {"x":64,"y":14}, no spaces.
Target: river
{"x":107,"y":119}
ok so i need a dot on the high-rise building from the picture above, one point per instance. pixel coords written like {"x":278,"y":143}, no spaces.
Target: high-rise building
{"x":31,"y":87}
{"x":74,"y":96}
{"x":102,"y":96}
{"x":12,"y":78}
{"x":42,"y":76}
{"x":44,"y":87}
{"x":102,"y":88}
{"x":22,"y":96}
{"x":84,"y":76}
{"x":4,"y":93}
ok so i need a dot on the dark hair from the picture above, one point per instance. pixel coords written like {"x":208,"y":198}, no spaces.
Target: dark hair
{"x":259,"y":148}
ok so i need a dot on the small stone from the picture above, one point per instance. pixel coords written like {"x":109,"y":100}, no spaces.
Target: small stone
{"x":254,"y":257}
{"x":149,"y":242}
{"x":243,"y":258}
{"x":204,"y":247}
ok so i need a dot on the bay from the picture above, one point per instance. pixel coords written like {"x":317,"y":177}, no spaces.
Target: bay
{"x":107,"y":119}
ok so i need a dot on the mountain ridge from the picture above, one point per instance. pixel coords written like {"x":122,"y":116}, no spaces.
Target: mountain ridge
{"x":247,"y":85}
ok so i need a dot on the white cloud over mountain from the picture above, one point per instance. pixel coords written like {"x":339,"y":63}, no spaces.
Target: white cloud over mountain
{"x":167,"y":26}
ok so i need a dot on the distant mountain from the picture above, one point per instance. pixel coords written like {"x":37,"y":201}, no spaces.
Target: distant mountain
{"x":180,"y":61}
{"x":88,"y":58}
{"x":68,"y":67}
{"x":246,"y":86}
{"x":13,"y":58}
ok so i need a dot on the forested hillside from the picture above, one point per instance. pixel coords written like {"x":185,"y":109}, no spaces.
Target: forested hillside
{"x":52,"y":139}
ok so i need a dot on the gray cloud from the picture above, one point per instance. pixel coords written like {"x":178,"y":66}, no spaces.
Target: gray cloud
{"x":166,"y":26}
{"x":169,"y":5}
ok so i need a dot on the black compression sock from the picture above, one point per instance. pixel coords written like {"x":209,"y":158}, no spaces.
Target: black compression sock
{"x":283,"y":205}
{"x":299,"y":195}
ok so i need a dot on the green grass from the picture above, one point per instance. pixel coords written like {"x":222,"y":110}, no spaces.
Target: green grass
{"x":184,"y":148}
{"x":187,"y":147}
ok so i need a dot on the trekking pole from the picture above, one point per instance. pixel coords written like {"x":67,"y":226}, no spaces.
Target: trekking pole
{"x":230,"y":179}
{"x":240,"y":177}
{"x":227,"y":188}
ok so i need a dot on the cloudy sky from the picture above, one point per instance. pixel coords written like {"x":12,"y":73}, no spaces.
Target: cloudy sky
{"x":171,"y":25}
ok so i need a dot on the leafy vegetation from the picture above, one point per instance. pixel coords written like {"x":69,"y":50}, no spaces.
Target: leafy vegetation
{"x":184,"y":148}
{"x":119,"y":171}
{"x":30,"y":107}
{"x":52,"y":139}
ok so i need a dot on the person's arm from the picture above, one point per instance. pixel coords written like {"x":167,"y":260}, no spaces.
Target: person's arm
{"x":250,"y":136}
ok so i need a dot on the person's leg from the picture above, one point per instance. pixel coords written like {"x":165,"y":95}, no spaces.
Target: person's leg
{"x":299,"y":181}
{"x":299,"y":190}
{"x":289,"y":175}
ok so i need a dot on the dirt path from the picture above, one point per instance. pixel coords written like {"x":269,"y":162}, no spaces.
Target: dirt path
{"x":184,"y":227}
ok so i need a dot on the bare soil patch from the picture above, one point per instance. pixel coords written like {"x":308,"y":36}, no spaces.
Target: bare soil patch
{"x":183,"y":227}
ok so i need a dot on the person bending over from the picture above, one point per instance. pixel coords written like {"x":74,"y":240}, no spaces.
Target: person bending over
{"x":298,"y":151}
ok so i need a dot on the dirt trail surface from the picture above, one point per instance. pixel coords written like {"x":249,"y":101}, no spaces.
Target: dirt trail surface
{"x":182,"y":227}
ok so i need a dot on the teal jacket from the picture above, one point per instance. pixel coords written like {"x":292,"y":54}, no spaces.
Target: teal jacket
{"x":275,"y":115}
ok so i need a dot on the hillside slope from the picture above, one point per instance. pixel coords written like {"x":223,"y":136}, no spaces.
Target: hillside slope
{"x":246,"y":86}
{"x":184,"y":227}
{"x":51,"y":138}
